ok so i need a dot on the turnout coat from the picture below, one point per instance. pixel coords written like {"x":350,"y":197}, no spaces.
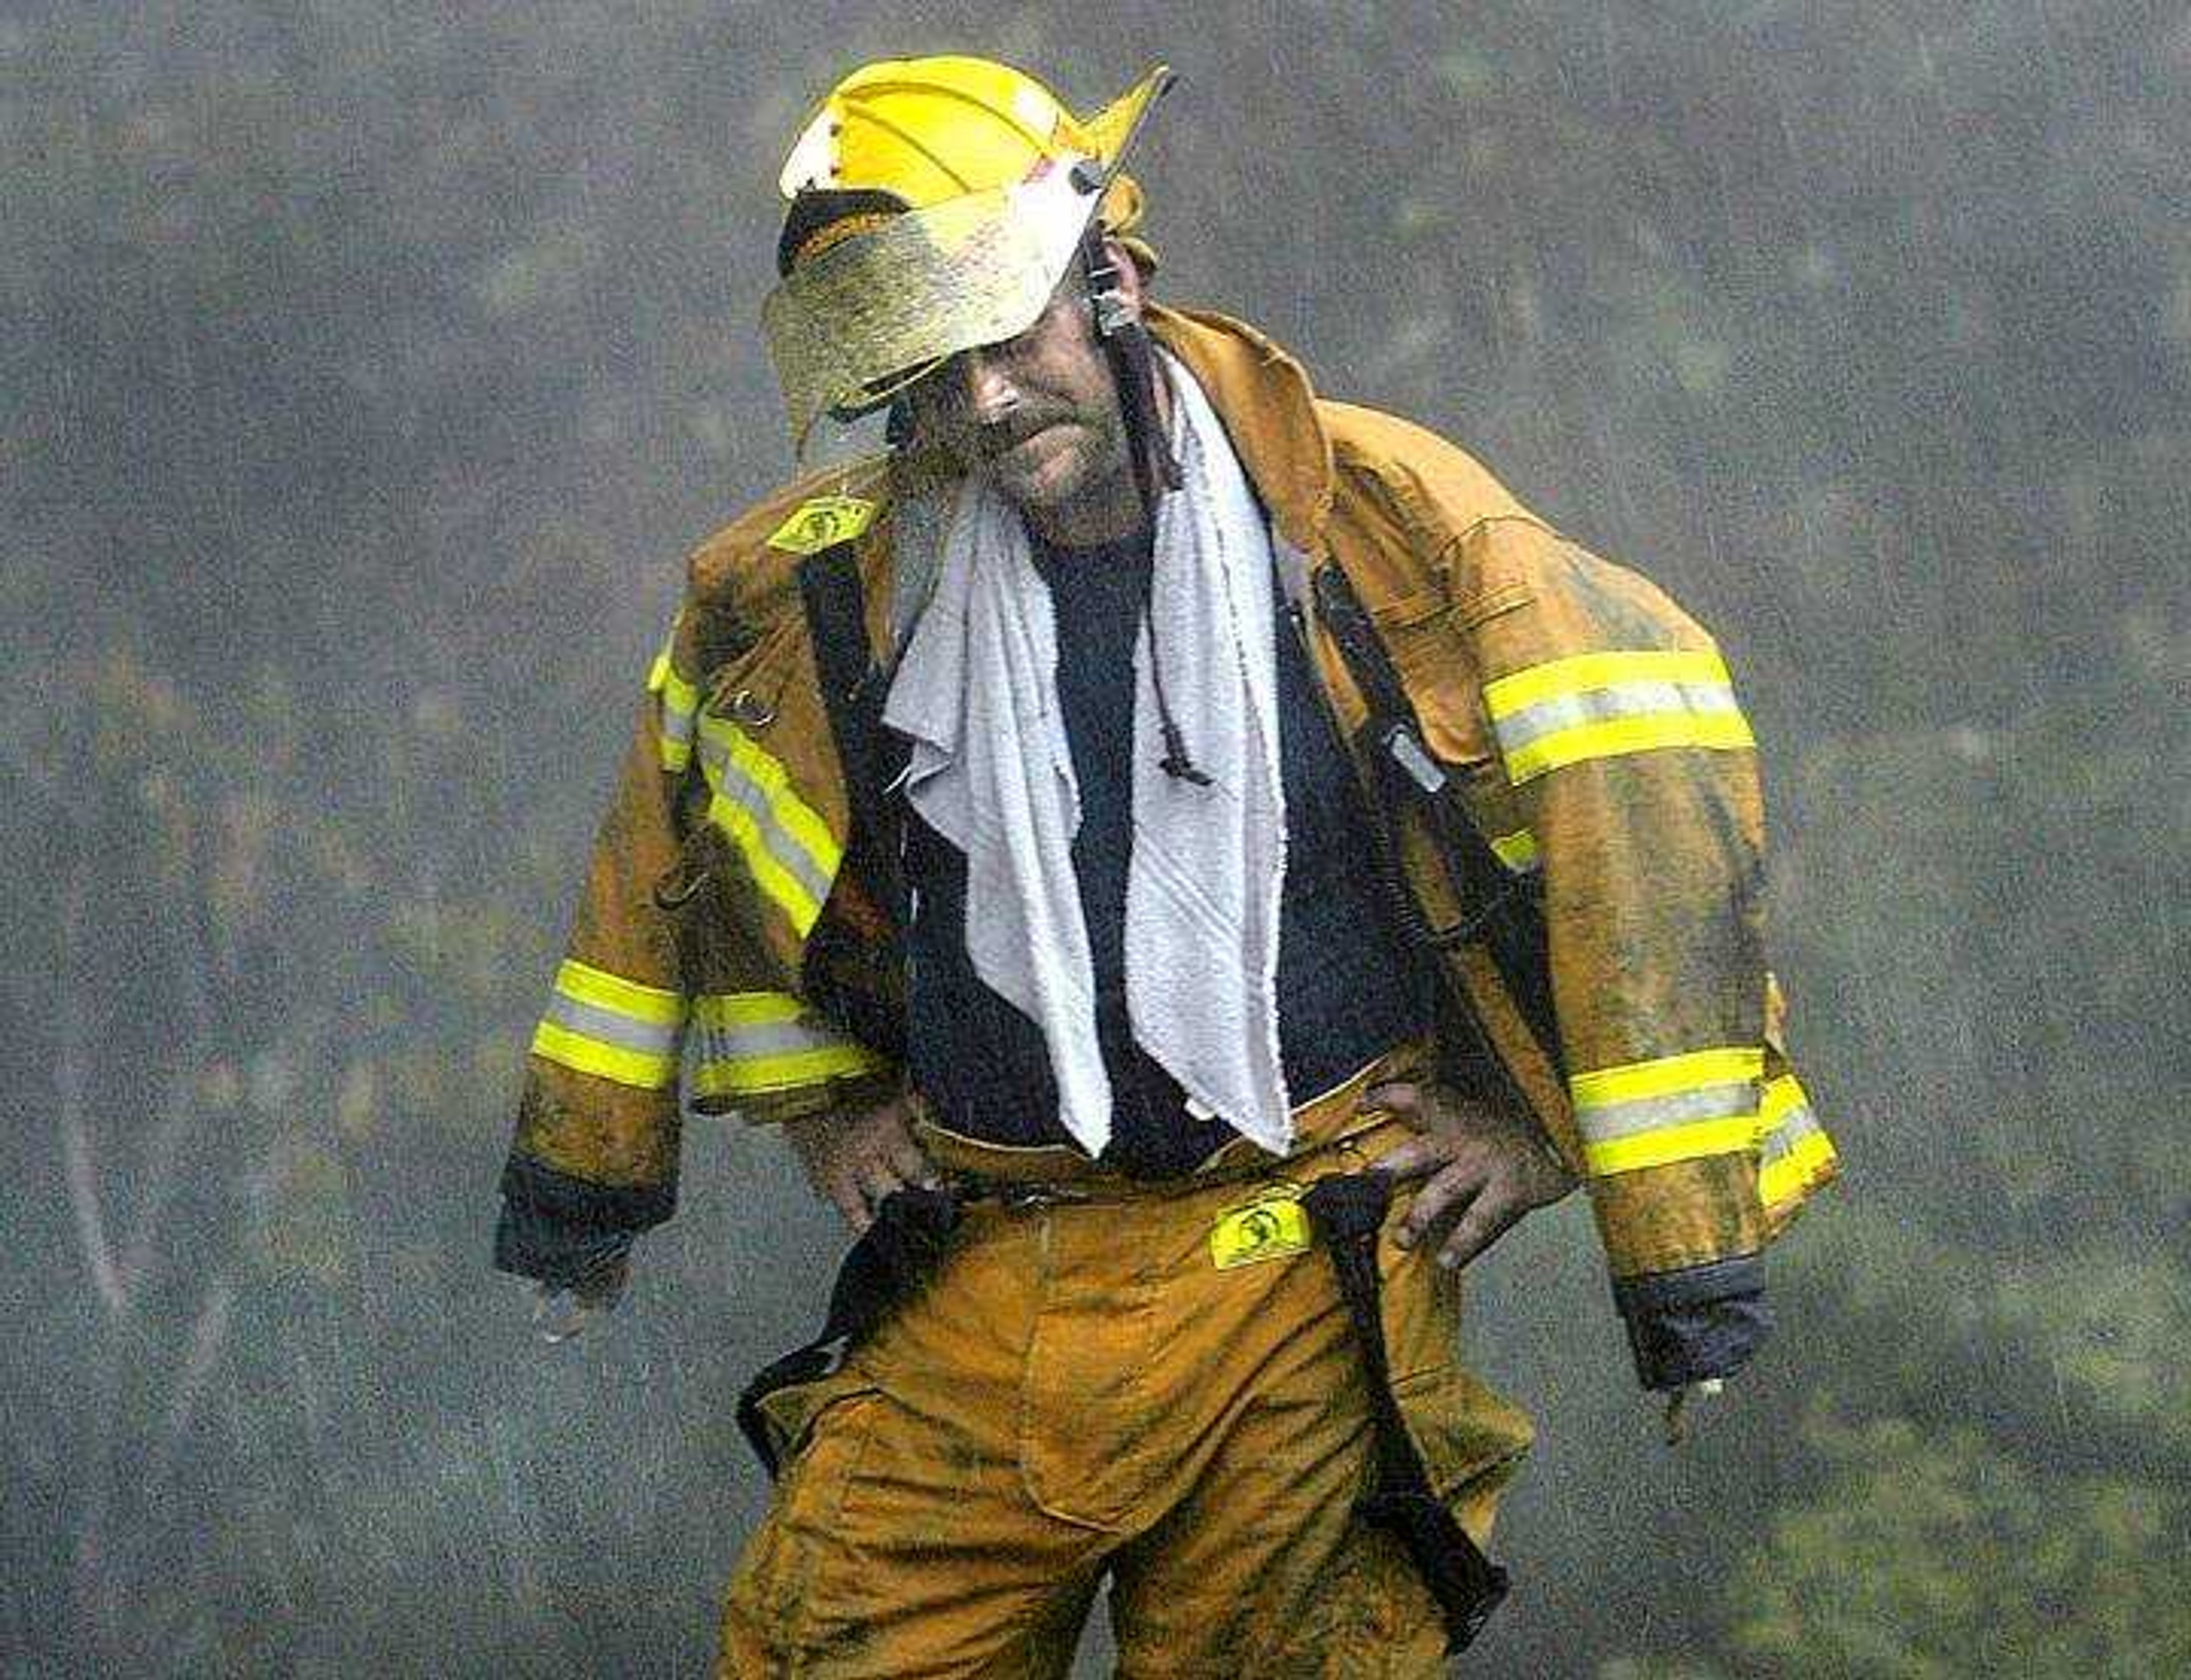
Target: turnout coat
{"x":731,"y":950}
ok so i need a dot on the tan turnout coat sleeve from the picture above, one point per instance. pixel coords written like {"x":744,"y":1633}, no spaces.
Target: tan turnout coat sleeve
{"x":716,"y":866}
{"x":1604,"y":754}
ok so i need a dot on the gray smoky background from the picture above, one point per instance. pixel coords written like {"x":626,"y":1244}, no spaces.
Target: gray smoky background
{"x":368,"y":369}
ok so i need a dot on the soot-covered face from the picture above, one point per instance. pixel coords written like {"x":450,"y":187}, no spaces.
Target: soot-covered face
{"x":1039,"y":415}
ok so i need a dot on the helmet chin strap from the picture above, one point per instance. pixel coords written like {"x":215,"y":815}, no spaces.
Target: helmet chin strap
{"x":1133,"y":367}
{"x":1133,"y":360}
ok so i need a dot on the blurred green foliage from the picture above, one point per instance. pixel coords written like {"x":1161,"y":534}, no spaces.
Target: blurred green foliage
{"x":1930,"y":1554}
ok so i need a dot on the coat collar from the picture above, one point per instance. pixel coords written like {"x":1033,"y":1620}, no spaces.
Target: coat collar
{"x":1259,"y":391}
{"x":1269,"y":411}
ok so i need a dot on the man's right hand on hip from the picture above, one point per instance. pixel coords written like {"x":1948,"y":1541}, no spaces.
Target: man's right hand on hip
{"x":857,"y":1157}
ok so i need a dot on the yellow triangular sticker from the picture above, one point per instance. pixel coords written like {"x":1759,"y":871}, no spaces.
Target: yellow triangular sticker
{"x":823,"y":523}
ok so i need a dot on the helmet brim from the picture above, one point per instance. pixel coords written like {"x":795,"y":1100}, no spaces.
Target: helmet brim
{"x":859,"y":321}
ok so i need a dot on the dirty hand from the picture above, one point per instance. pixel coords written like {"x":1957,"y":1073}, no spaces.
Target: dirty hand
{"x":857,"y":1157}
{"x":1483,"y":1170}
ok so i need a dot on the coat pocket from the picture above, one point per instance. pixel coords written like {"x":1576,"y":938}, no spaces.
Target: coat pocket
{"x":1430,"y":650}
{"x":747,"y":688}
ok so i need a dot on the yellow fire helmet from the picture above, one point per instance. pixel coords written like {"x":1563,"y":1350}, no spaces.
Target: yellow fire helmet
{"x":954,"y":194}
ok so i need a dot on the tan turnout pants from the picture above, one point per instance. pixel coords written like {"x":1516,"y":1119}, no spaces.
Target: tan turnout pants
{"x":1084,"y":1390}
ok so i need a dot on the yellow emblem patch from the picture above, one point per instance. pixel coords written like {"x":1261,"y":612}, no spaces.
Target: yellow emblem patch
{"x":823,"y":523}
{"x":1271,"y":1227}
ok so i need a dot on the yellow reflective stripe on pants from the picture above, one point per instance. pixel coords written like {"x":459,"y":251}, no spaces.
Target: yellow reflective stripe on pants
{"x":1794,"y":1150}
{"x":1603,"y":705}
{"x":792,"y":855}
{"x":752,"y":1042}
{"x":1675,"y":1109}
{"x":613,"y":1029}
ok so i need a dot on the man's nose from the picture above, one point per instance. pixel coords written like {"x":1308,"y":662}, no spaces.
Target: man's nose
{"x":990,"y":392}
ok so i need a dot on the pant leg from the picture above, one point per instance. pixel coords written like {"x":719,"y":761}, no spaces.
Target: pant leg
{"x":1261,"y":1567}
{"x":1087,"y":1386}
{"x":901,"y":1540}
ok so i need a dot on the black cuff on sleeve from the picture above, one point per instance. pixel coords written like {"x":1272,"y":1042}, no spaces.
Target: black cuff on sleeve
{"x":1703,"y":1321}
{"x":562,"y":1230}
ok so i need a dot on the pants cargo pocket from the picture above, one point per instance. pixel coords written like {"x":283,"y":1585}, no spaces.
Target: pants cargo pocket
{"x":792,"y":1414}
{"x":773,"y":1608}
{"x":1472,"y":1441}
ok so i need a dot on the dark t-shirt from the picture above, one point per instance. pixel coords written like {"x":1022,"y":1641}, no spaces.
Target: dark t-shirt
{"x":1347,"y":989}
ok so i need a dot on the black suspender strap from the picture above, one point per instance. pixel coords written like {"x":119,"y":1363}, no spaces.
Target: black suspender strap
{"x":1485,"y":885}
{"x":852,"y":684}
{"x":1348,"y":1211}
{"x":897,"y":1254}
{"x":854,"y":687}
{"x":1498,"y":908}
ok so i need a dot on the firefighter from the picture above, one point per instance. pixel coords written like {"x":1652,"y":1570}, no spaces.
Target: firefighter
{"x":1144,"y":820}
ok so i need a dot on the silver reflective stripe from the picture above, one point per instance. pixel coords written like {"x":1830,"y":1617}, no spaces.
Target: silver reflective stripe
{"x":734,"y":786}
{"x":747,"y":1041}
{"x":1789,"y":1129}
{"x":606,"y":1027}
{"x":677,"y":725}
{"x":1647,"y":698}
{"x":1602,"y":1122}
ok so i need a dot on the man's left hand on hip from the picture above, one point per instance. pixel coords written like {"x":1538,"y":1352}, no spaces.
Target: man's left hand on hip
{"x":1479,"y":1169}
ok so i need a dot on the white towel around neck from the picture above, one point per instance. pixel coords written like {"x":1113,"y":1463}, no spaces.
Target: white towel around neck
{"x":992,"y":771}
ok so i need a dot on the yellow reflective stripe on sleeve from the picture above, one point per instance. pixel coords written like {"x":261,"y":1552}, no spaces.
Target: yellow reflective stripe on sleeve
{"x":1517,"y":851}
{"x":1795,"y":1153}
{"x":646,"y":1070}
{"x":596,"y":986}
{"x":1675,"y":1109}
{"x":660,"y":669}
{"x":787,"y":846}
{"x":1781,"y":1099}
{"x":1729,"y":1137}
{"x":1671,"y":1075}
{"x":1811,"y":1159}
{"x":1604,"y":705}
{"x":734,"y":1010}
{"x":754,"y":1042}
{"x":613,"y":1029}
{"x":1580,"y":673}
{"x":680,"y":703}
